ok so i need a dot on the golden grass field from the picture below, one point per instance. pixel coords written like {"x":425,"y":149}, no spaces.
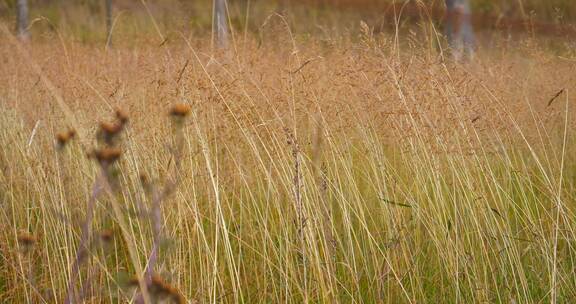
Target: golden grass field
{"x":291,"y":168}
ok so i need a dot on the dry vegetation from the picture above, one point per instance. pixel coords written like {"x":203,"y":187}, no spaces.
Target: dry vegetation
{"x":289,"y":169}
{"x":84,"y":20}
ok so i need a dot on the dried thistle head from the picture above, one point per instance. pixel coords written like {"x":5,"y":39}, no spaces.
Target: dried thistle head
{"x":133,"y":282}
{"x":106,"y":236}
{"x":121,"y":116}
{"x":144,"y":179}
{"x":180,"y":110}
{"x":146,"y":184}
{"x":64,"y":137}
{"x":26,"y":240}
{"x":158,"y":286}
{"x":109,"y":131}
{"x":107,"y":156}
{"x":110,"y":128}
{"x":160,"y":289}
{"x":178,"y":298}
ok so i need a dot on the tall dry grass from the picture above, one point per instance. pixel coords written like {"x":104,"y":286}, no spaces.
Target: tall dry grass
{"x":311,"y":171}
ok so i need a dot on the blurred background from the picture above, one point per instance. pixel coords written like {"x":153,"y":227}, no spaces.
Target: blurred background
{"x":84,"y":20}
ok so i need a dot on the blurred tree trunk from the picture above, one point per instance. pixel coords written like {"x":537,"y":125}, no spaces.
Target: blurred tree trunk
{"x":220,"y":24}
{"x":459,"y":31}
{"x":108,"y":22}
{"x":22,"y":19}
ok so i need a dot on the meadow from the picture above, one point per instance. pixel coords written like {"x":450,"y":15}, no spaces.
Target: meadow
{"x":342,"y":166}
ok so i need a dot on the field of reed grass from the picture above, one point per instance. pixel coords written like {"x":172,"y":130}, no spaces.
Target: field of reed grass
{"x":288,"y":169}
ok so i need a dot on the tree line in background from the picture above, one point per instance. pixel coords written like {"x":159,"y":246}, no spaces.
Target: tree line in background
{"x":458,"y":26}
{"x":220,"y":21}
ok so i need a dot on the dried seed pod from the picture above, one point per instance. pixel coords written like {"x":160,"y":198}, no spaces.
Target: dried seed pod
{"x":107,"y":156}
{"x":110,"y":128}
{"x":106,"y":236}
{"x":178,"y":298}
{"x":133,"y":282}
{"x":121,"y":116}
{"x":108,"y":132}
{"x":180,"y":110}
{"x":27,"y":240}
{"x":159,"y":289}
{"x":145,"y":182}
{"x":63,"y":138}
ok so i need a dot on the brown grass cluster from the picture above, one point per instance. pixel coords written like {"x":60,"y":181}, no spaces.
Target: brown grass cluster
{"x":308,"y":170}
